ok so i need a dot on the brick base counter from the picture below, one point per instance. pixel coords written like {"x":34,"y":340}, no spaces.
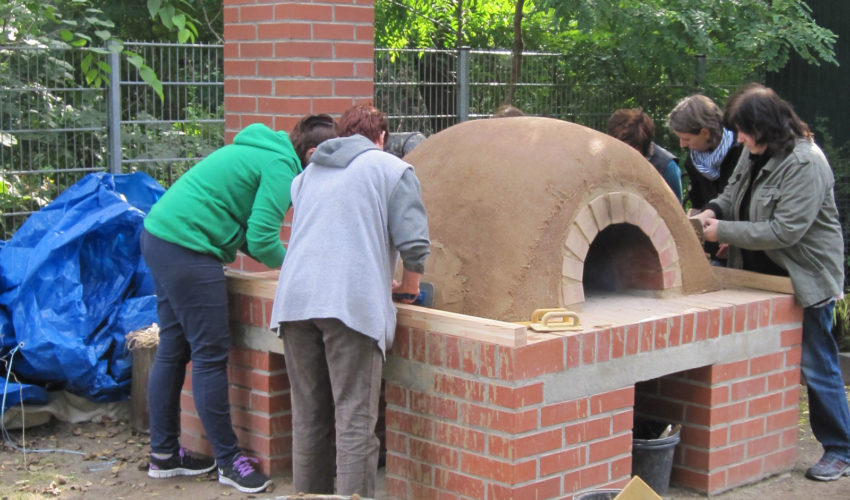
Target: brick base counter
{"x":478,"y":408}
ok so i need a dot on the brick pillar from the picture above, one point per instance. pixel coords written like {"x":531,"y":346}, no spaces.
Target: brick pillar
{"x":740,"y":418}
{"x":284,"y":59}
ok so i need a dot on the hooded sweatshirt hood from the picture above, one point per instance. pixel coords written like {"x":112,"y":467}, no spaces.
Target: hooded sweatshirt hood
{"x":341,"y":151}
{"x":260,"y":136}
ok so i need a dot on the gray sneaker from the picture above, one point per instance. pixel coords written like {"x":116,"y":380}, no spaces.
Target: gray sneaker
{"x":243,"y":475}
{"x":828,"y":469}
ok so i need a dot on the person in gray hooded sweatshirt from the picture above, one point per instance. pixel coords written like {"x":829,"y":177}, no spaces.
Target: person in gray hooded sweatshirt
{"x":355,"y":209}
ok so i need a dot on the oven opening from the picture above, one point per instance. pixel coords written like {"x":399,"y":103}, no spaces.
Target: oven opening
{"x":622,"y":260}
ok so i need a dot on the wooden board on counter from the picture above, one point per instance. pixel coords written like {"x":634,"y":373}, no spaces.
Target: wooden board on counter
{"x":261,"y":284}
{"x":461,"y":325}
{"x":747,"y":279}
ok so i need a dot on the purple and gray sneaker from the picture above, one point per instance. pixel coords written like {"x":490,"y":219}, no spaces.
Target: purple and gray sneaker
{"x":244,"y":475}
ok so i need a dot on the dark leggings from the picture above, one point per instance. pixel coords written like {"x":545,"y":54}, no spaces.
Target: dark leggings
{"x":191,"y":294}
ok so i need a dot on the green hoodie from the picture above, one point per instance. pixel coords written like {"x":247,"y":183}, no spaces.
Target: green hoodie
{"x":233,"y":199}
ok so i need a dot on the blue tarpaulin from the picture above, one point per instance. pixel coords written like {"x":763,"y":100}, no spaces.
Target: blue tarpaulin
{"x":73,"y":283}
{"x":28,"y":393}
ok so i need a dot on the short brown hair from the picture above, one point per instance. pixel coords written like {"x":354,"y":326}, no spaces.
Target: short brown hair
{"x":506,"y":110}
{"x":363,"y":119}
{"x":634,"y":127}
{"x":309,"y":132}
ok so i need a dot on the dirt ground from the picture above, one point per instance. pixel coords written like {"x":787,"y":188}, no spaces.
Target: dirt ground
{"x":110,"y":461}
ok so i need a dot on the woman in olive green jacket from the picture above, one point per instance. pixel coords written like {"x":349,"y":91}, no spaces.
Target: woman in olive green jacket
{"x":778,"y":216}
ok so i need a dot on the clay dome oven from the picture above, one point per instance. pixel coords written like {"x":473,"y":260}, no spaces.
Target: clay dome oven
{"x":530,"y":212}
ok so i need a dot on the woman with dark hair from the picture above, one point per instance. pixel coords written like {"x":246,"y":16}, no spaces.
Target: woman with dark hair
{"x":778,"y":216}
{"x":636,"y":128}
{"x":234,"y":199}
{"x":309,"y":132}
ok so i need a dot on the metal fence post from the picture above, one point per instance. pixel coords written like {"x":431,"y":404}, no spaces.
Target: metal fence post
{"x":463,"y":84}
{"x":114,"y":108}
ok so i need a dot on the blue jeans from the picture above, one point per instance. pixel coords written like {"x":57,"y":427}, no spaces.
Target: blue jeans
{"x":191,"y":294}
{"x":828,"y":411}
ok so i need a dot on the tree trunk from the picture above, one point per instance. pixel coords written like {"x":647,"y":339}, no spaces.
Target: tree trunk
{"x":459,"y":40}
{"x":516,"y":59}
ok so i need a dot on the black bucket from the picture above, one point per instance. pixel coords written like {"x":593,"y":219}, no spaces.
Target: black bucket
{"x":599,"y":495}
{"x":652,"y":460}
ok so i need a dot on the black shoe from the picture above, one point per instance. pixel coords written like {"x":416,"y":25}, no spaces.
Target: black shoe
{"x":243,"y":475}
{"x":179,"y":464}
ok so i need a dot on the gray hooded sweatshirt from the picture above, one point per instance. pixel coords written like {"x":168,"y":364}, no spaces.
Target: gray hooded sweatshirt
{"x":355,"y":209}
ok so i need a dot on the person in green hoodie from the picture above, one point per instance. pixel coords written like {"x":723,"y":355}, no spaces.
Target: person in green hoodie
{"x":234,"y":199}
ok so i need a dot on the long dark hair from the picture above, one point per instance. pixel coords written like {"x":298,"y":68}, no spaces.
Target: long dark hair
{"x":760,"y":113}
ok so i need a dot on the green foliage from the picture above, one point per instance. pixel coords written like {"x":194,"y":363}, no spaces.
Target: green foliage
{"x":190,"y":139}
{"x":35,"y":112}
{"x":613,"y":45}
{"x":841,"y":324}
{"x":663,"y":30}
{"x":434,"y":24}
{"x":173,"y":15}
{"x":21,"y":192}
{"x":54,"y":127}
{"x":63,"y":24}
{"x":663,"y":33}
{"x":133,"y":20}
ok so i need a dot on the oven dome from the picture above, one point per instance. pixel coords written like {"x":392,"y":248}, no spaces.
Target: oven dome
{"x":515,"y":205}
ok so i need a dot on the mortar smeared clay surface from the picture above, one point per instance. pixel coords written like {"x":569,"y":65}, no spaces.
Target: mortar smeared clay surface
{"x":501,"y":195}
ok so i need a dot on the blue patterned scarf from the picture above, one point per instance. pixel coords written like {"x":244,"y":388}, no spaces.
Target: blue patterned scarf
{"x":708,"y":162}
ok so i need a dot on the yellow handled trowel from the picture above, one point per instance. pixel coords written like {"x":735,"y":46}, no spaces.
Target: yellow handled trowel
{"x":553,"y":320}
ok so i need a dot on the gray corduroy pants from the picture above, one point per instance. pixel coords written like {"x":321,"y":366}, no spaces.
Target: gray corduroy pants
{"x":335,"y":378}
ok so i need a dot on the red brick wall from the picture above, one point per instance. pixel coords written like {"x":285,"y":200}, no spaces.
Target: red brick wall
{"x":741,"y":417}
{"x":285,"y":59}
{"x":480,"y":420}
{"x":469,"y":418}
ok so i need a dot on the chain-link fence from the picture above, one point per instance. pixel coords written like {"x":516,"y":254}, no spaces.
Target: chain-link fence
{"x":54,"y":129}
{"x":165,"y":137}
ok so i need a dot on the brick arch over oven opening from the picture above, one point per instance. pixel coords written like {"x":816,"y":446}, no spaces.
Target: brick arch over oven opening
{"x":630,"y":222}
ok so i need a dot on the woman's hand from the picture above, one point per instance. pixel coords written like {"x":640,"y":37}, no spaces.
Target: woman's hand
{"x":709,"y":228}
{"x":406,"y":291}
{"x":705,"y":215}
